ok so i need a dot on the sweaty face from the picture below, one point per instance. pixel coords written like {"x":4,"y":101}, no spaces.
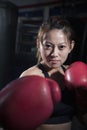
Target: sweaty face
{"x":55,"y":48}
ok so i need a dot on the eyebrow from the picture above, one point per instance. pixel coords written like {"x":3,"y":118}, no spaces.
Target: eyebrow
{"x":49,"y":42}
{"x":62,"y":43}
{"x":53,"y":44}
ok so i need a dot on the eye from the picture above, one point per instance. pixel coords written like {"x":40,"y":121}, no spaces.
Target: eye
{"x":48,"y":46}
{"x":61,"y":47}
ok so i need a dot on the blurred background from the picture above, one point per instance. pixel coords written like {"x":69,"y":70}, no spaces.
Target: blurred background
{"x":19,"y":24}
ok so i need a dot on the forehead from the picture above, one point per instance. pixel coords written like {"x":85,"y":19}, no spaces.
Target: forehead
{"x":55,"y":35}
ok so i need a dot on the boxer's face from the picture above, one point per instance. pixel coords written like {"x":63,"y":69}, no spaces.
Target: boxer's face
{"x":55,"y":48}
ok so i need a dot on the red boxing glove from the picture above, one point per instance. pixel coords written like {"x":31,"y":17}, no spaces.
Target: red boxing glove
{"x":27,"y":102}
{"x":76,"y":78}
{"x":76,"y":75}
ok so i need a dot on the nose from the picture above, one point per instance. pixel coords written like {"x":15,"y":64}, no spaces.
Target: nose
{"x":55,"y":51}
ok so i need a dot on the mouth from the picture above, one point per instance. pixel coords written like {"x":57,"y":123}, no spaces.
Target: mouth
{"x":54,"y":61}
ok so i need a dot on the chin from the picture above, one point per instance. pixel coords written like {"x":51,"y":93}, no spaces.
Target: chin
{"x":55,"y":65}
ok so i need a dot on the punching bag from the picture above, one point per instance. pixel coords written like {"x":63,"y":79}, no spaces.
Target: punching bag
{"x":8,"y":24}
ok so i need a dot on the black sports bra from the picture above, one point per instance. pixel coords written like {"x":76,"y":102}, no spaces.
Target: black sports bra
{"x":63,"y":111}
{"x":44,"y":71}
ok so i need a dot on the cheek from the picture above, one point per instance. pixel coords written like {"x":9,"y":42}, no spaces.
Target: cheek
{"x":43,"y":53}
{"x":64,"y":55}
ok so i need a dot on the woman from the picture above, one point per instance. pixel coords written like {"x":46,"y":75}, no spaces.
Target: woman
{"x":55,"y":41}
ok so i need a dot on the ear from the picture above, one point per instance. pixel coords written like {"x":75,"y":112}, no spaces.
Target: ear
{"x":72,"y":45}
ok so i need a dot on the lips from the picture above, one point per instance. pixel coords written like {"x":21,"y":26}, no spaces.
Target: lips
{"x":54,"y":61}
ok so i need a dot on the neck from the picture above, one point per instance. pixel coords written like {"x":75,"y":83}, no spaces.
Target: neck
{"x":51,"y":70}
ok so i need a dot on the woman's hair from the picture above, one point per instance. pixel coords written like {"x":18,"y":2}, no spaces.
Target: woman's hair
{"x":55,"y":23}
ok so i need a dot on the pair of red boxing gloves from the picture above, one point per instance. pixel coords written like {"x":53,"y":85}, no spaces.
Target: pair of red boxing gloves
{"x":27,"y":102}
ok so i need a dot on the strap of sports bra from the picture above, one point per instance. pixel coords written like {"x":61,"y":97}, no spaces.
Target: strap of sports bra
{"x":64,"y":69}
{"x":40,"y":66}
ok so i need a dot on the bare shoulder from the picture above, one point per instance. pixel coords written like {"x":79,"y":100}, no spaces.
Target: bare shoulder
{"x":34,"y":70}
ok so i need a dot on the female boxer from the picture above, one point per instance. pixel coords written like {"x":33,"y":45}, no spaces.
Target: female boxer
{"x":55,"y":41}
